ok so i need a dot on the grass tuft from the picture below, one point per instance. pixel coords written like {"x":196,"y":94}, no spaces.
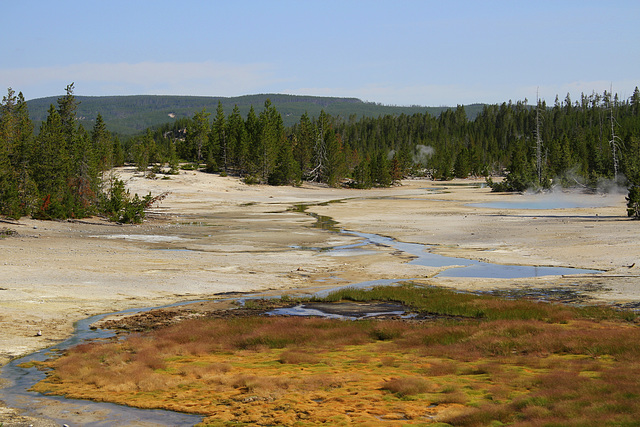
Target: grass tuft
{"x":408,"y":386}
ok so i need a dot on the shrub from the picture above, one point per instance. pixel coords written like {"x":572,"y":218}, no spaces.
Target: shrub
{"x":408,"y":386}
{"x":119,"y":206}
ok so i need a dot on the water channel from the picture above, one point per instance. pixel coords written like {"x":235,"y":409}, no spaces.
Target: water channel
{"x":79,"y":412}
{"x":88,"y":413}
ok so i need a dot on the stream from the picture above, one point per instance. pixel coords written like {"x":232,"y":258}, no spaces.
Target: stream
{"x":75,"y":412}
{"x":462,"y":267}
{"x":87,"y":413}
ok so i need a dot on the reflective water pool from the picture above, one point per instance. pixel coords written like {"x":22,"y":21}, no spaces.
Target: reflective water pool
{"x":462,"y":267}
{"x":553,"y":201}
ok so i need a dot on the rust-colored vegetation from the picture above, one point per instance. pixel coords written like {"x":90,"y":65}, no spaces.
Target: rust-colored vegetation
{"x":497,"y":362}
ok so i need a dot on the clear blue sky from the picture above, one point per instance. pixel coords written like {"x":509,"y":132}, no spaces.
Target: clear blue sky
{"x":400,"y":52}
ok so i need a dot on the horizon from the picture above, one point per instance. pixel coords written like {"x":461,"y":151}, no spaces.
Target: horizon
{"x":621,"y":98}
{"x":253,"y":94}
{"x":410,"y":53}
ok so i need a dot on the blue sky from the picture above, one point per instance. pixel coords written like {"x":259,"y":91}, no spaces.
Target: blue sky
{"x":399,"y":52}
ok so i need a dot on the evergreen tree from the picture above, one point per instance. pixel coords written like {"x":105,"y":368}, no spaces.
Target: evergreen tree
{"x":252,"y":125}
{"x":303,"y":146}
{"x":84,"y":180}
{"x":118,"y":152}
{"x":362,"y":174}
{"x":102,"y":145}
{"x":320,"y":153}
{"x":24,"y":159}
{"x":238,"y":141}
{"x":286,"y":171}
{"x":219,"y":140}
{"x":52,"y":170}
{"x":380,"y":170}
{"x":9,"y":199}
{"x":67,"y":107}
{"x":198,"y":138}
{"x":144,"y":151}
{"x":462,"y":164}
{"x":334,"y":159}
{"x":635,"y":102}
{"x":271,"y":133}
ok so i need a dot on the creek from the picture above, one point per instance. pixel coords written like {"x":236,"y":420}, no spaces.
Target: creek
{"x":75,"y":412}
{"x":462,"y":267}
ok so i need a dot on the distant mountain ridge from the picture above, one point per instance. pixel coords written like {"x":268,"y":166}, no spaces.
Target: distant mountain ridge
{"x":132,"y":114}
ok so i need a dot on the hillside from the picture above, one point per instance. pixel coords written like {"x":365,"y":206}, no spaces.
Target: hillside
{"x":128,"y":115}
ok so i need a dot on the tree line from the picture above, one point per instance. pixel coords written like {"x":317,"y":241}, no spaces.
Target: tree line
{"x":58,"y":173}
{"x":583,"y":143}
{"x":569,"y":143}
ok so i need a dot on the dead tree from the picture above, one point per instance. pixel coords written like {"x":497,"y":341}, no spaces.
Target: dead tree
{"x":538,"y":141}
{"x":615,"y":141}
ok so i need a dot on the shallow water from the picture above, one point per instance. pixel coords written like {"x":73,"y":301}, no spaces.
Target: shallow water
{"x":462,"y":267}
{"x":334,"y":311}
{"x":79,"y":412}
{"x":552,"y":201}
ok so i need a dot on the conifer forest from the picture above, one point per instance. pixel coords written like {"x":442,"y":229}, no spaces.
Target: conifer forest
{"x":61,"y":169}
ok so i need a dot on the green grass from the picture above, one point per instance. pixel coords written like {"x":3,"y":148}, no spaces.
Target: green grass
{"x":441,"y":301}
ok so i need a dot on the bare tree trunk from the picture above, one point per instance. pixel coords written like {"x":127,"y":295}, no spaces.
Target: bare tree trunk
{"x":538,"y":141}
{"x":614,"y":139}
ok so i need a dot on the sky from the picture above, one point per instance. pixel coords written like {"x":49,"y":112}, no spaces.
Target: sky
{"x":401,"y":52}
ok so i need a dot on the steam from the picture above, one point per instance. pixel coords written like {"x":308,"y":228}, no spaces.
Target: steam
{"x":572,"y":181}
{"x":422,"y":154}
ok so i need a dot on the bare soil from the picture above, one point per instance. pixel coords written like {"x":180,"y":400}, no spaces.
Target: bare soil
{"x":213,"y":235}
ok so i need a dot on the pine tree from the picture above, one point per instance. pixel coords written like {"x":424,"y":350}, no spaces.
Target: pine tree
{"x":219,"y":140}
{"x":380,"y":173}
{"x":319,"y":170}
{"x":252,"y":125}
{"x":52,"y":169}
{"x":271,"y":133}
{"x":334,"y":159}
{"x":238,"y":141}
{"x":286,"y":170}
{"x":84,"y":181}
{"x":9,"y":199}
{"x":24,"y":159}
{"x":198,"y":138}
{"x":635,"y":102}
{"x":102,"y":145}
{"x":67,"y":107}
{"x":145,"y":151}
{"x":118,"y":152}
{"x":303,"y":147}
{"x":362,"y":174}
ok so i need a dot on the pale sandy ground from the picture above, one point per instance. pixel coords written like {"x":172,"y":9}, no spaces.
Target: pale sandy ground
{"x":214,"y":234}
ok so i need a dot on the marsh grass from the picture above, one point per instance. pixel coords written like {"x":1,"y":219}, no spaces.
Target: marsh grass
{"x":408,"y":386}
{"x":435,"y":300}
{"x":512,"y":362}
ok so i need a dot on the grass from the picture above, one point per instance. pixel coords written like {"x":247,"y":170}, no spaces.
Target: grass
{"x":496,"y":362}
{"x":442,"y":301}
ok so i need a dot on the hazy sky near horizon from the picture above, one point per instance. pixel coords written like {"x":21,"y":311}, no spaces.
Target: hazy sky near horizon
{"x":401,"y":52}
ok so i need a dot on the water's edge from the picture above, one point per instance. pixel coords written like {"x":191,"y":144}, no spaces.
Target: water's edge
{"x":73,"y":411}
{"x":102,"y":414}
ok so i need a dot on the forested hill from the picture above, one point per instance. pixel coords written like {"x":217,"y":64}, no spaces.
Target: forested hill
{"x":129,"y":115}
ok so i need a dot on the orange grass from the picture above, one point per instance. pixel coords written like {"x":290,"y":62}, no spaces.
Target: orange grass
{"x":298,"y":371}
